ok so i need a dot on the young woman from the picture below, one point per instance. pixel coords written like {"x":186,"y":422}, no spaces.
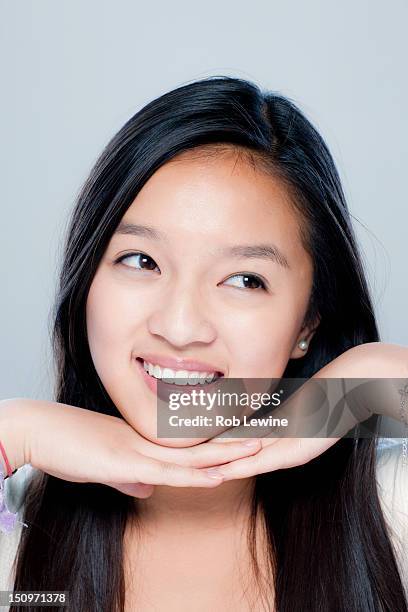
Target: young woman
{"x":212,"y":236}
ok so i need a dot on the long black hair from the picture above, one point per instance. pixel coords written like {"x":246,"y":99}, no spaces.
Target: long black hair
{"x":328,"y":546}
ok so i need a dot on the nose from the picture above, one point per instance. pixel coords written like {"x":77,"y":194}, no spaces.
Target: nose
{"x":182,"y":318}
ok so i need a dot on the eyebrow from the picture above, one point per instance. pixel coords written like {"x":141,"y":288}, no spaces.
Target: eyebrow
{"x":144,"y":231}
{"x":258,"y":251}
{"x":251,"y":251}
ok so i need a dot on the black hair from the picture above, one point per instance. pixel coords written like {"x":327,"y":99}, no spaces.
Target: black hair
{"x":328,"y":544}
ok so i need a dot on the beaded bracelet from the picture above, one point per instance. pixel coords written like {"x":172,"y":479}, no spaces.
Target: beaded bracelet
{"x":8,"y":520}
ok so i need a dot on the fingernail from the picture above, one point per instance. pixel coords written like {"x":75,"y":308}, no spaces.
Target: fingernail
{"x":214,"y":473}
{"x":251,"y":443}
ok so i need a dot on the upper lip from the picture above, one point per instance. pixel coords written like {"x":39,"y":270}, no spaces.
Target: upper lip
{"x":179,"y":363}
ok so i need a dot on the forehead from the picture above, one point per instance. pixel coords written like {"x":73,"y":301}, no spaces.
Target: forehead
{"x":218,"y":199}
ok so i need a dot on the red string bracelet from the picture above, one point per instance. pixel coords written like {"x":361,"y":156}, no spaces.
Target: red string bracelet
{"x":6,"y":461}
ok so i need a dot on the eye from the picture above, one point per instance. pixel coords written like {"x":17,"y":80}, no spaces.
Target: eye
{"x":142,"y":261}
{"x":249,"y":280}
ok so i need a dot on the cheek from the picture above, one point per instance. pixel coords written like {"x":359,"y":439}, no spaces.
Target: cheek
{"x":260,"y":343}
{"x":108,"y":321}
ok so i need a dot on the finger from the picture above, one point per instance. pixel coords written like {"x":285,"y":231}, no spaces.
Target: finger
{"x":237,"y":430}
{"x":286,"y":453}
{"x":156,"y":472}
{"x":263,"y":441}
{"x":245,"y":467}
{"x":230,"y":440}
{"x":215,"y":454}
{"x":241,"y":433}
{"x":206,"y":454}
{"x":134,"y":489}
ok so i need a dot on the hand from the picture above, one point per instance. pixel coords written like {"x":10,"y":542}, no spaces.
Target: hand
{"x":80,"y":445}
{"x":370,"y":360}
{"x":276,"y":454}
{"x":202,"y":455}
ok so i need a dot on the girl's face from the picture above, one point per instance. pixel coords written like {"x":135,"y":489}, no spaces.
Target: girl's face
{"x":212,"y":270}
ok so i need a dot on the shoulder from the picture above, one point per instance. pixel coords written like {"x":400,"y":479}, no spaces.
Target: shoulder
{"x":14,"y":493}
{"x":392,"y":480}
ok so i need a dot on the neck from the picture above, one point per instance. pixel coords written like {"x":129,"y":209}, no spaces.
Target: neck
{"x":197,"y":507}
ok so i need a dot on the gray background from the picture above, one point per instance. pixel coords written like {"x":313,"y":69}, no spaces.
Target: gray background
{"x":73,"y":71}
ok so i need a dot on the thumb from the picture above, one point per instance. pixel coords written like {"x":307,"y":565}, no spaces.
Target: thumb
{"x":134,"y":489}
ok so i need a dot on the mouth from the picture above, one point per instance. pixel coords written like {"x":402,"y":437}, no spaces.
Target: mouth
{"x":182,"y":380}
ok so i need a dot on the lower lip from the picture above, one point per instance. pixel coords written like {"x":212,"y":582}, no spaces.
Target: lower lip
{"x":151,"y":382}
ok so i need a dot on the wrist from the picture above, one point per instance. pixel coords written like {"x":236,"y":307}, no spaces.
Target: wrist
{"x":13,"y":434}
{"x":388,"y":363}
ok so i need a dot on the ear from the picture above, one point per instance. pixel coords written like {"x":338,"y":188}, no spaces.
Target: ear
{"x":305,"y":334}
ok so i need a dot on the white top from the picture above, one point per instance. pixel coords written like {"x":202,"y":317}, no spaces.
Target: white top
{"x":392,"y":478}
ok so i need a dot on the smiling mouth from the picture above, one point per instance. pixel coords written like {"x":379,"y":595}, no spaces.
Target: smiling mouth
{"x":173,"y":378}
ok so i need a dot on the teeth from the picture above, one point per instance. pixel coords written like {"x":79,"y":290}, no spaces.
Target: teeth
{"x":167,"y":373}
{"x":194,"y":378}
{"x":178,"y":377}
{"x":180,"y":373}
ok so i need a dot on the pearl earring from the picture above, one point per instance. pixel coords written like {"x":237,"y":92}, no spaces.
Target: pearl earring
{"x":303,"y":345}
